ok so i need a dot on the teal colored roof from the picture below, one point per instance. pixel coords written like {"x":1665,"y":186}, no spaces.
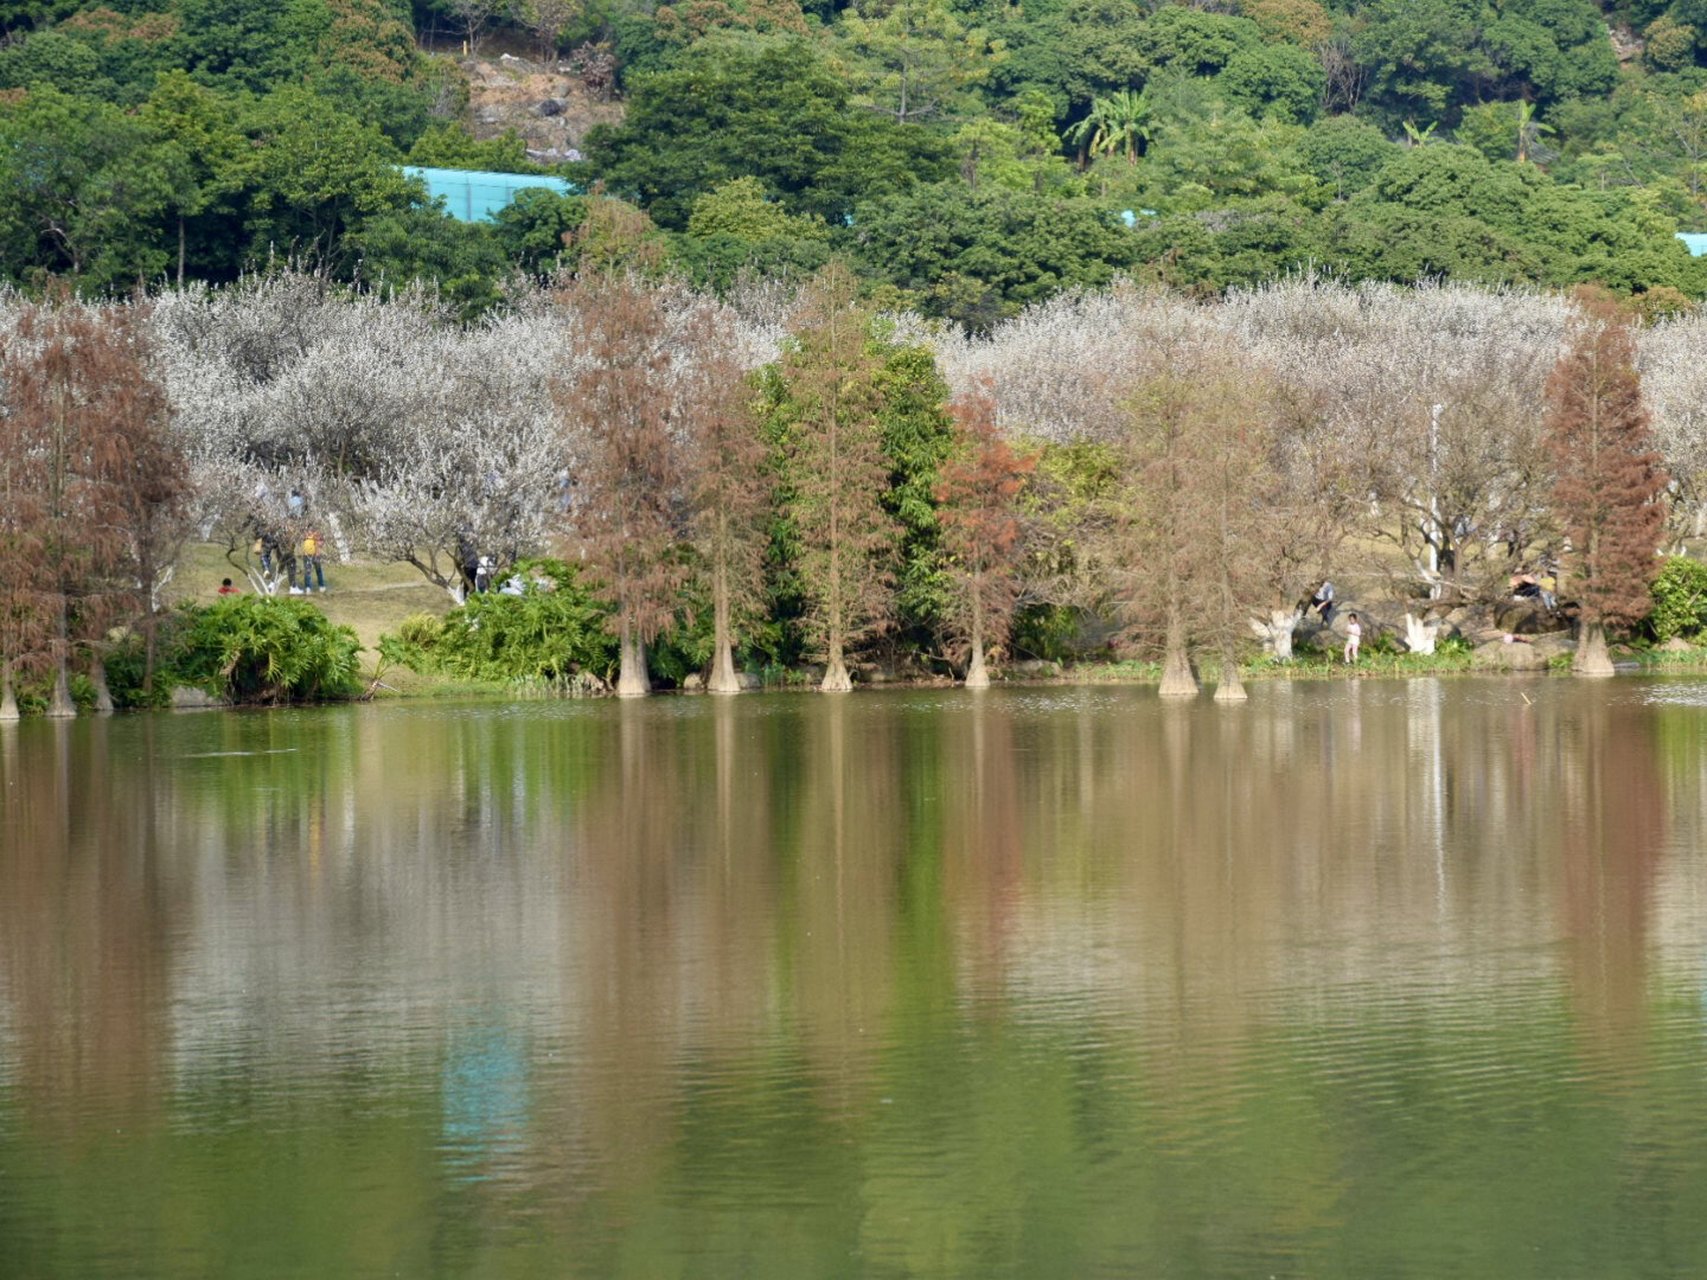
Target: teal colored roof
{"x":1697,"y":242}
{"x":473,"y":195}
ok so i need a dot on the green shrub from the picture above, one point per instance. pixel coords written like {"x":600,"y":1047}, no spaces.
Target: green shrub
{"x":421,"y":629}
{"x":248,"y":649}
{"x":553,"y":630}
{"x":263,"y":649}
{"x":1680,"y":599}
{"x":1051,"y":632}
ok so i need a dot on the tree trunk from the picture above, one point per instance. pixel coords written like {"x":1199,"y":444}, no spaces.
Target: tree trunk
{"x":1592,"y":658}
{"x":1230,"y":688}
{"x":1276,"y":634}
{"x":1419,"y":634}
{"x":977,"y":677}
{"x":98,"y":678}
{"x":836,"y":679}
{"x":723,"y":678}
{"x":150,"y":641}
{"x":1178,"y":680}
{"x":631,"y":681}
{"x":180,"y":249}
{"x":8,"y":698}
{"x":60,"y":706}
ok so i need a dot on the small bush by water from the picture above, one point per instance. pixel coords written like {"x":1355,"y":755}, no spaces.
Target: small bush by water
{"x":245,"y":649}
{"x":553,"y":631}
{"x":1680,"y":599}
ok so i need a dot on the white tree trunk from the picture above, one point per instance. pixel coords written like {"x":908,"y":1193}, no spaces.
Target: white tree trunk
{"x":1276,"y":634}
{"x":1178,"y":681}
{"x":60,"y":705}
{"x":98,"y":678}
{"x":631,"y":681}
{"x":8,"y":698}
{"x":1420,"y":634}
{"x":723,"y":677}
{"x":1230,"y":688}
{"x":836,"y":678}
{"x":1592,"y":659}
{"x":977,"y":676}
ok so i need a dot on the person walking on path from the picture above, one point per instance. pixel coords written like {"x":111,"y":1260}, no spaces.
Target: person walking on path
{"x":1353,"y":637}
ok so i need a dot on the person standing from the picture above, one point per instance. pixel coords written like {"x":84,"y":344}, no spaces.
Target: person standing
{"x":311,"y":562}
{"x":1353,"y":637}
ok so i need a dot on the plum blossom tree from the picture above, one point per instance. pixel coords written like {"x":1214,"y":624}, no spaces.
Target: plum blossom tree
{"x":482,"y":469}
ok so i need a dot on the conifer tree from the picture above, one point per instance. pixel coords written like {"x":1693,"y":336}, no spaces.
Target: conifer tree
{"x":1608,"y":490}
{"x":618,"y":410}
{"x":70,"y":372}
{"x":729,"y":485}
{"x":836,"y":472}
{"x":977,"y":499}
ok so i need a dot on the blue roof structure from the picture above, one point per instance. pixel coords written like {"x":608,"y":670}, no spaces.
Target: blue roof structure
{"x":474,"y":195}
{"x":1695,"y":241}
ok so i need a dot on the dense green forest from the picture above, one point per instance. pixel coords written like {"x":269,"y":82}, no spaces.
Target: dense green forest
{"x":966,"y":158}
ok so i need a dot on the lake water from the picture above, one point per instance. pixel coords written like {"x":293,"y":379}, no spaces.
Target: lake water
{"x":1361,"y":979}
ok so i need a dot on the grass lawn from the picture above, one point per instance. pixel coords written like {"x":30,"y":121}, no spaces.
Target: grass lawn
{"x":366,"y":595}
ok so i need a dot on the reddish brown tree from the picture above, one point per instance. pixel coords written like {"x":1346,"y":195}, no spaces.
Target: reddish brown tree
{"x":23,"y":606}
{"x":977,"y":504}
{"x":70,"y":370}
{"x":149,"y":486}
{"x":1608,"y":490}
{"x":836,"y":472}
{"x":618,"y":412}
{"x":729,"y":486}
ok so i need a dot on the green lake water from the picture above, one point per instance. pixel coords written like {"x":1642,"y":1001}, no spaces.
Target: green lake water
{"x":1364,"y":979}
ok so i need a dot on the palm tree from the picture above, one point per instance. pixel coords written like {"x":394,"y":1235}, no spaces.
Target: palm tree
{"x":1529,"y":130}
{"x":1415,"y":137}
{"x":1119,"y":122}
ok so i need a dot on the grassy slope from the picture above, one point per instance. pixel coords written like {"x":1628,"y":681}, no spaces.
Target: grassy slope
{"x":363,"y":594}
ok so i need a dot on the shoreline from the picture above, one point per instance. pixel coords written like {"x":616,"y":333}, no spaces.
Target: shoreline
{"x":1691,"y":664}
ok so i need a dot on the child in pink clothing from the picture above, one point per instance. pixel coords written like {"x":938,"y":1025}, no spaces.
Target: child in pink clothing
{"x":1353,"y":635}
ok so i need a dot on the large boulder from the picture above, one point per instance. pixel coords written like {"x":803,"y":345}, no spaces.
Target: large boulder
{"x":1512,"y":655}
{"x":1524,"y":617}
{"x":186,"y":697}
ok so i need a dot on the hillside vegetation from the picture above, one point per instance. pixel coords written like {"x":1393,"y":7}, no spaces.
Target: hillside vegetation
{"x":966,"y":159}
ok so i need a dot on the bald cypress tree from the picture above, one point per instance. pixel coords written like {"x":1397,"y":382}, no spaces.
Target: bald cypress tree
{"x":1608,"y":489}
{"x":835,"y":473}
{"x":618,"y":414}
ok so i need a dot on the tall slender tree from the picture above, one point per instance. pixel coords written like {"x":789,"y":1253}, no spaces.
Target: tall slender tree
{"x":150,"y":488}
{"x":836,"y":472}
{"x":1155,"y":521}
{"x":1608,"y":490}
{"x":69,"y":368}
{"x":621,"y":415}
{"x":977,"y":502}
{"x":729,"y":485}
{"x":23,"y":610}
